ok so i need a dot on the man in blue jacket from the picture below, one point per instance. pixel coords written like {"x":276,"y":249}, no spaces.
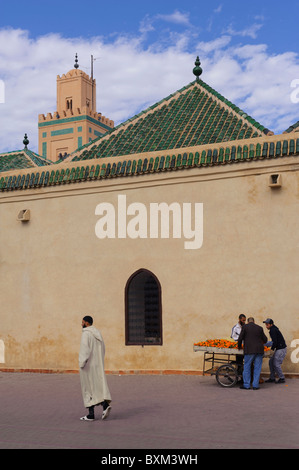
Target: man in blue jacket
{"x":280,"y":349}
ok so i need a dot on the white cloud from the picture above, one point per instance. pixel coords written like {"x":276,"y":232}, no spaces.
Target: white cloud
{"x":214,"y":45}
{"x":149,"y":23}
{"x":177,"y":17}
{"x":250,"y":31}
{"x":146,"y":25}
{"x":218,"y":9}
{"x":258,"y":82}
{"x":131,"y":76}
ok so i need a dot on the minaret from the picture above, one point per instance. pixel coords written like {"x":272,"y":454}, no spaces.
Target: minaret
{"x":76,"y":121}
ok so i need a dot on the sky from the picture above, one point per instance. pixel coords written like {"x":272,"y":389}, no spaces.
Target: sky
{"x":144,"y":51}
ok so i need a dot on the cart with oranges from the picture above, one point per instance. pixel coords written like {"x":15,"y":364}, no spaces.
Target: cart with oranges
{"x":223,"y":359}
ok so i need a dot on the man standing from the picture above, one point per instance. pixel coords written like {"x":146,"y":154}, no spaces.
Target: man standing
{"x":94,"y":385}
{"x":254,"y":339}
{"x":280,"y":349}
{"x":236,"y":330}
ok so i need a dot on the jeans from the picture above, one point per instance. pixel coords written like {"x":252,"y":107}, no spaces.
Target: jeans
{"x":275,"y":363}
{"x":258,"y":362}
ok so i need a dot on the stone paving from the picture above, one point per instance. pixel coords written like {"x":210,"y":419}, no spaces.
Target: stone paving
{"x":42,"y":411}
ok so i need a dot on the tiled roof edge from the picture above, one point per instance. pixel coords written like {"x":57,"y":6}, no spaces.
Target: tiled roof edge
{"x":292,"y":128}
{"x":32,"y":158}
{"x":39,"y":160}
{"x":235,"y":108}
{"x":3,"y":154}
{"x":231,"y":154}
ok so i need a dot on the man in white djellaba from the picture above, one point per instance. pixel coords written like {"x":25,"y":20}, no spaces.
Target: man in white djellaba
{"x":94,"y":385}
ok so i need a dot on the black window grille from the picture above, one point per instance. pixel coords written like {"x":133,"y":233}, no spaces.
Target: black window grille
{"x":143,"y":309}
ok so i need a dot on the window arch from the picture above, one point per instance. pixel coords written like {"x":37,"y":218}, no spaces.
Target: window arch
{"x":143,"y":309}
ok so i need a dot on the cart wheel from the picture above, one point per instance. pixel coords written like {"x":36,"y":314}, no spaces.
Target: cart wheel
{"x":227,"y":375}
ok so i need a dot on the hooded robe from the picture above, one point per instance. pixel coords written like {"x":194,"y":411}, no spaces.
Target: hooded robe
{"x":91,"y":362}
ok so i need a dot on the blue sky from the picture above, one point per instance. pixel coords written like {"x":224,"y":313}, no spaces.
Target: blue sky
{"x":277,"y":20}
{"x":145,"y":50}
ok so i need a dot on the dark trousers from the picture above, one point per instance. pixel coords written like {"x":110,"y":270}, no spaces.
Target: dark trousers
{"x":104,"y":404}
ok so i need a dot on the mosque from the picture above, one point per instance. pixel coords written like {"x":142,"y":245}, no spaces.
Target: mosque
{"x":164,"y":228}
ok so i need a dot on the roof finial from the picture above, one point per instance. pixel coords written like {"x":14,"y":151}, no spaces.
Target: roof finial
{"x":76,"y":62}
{"x":25,"y":141}
{"x":197,"y":69}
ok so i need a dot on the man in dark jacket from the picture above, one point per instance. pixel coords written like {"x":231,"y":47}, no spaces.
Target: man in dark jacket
{"x":254,"y":338}
{"x":280,"y":348}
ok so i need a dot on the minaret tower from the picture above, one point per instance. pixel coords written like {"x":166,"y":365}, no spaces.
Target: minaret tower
{"x":76,"y":121}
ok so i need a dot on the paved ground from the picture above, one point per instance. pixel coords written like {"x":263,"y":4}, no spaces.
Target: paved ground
{"x":42,"y":411}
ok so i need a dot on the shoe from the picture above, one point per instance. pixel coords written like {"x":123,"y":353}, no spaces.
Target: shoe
{"x":280,"y":381}
{"x":244,"y":388}
{"x":87,"y":418}
{"x":255,"y":388}
{"x":269,"y":381}
{"x":106,"y":412}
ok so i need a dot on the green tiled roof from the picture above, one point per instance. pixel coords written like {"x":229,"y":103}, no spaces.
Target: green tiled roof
{"x":21,"y":159}
{"x":292,"y":128}
{"x":194,"y":115}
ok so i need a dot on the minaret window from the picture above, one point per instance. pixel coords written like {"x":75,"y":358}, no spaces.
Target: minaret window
{"x":69,"y":103}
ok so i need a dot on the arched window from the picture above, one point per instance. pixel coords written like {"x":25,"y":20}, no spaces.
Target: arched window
{"x":143,"y":309}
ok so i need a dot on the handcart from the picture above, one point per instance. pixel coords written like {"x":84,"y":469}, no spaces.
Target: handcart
{"x":225,"y":363}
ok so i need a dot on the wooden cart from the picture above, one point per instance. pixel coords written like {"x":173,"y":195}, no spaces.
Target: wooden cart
{"x":225,"y":363}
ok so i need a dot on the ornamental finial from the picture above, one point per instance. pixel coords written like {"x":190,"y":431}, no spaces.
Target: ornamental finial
{"x":25,"y":141}
{"x":197,"y":69}
{"x":76,"y":62}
